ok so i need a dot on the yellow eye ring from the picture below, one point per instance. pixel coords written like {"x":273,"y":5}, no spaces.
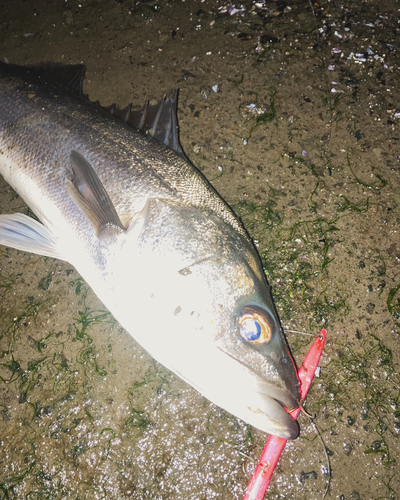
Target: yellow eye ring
{"x":254,"y":325}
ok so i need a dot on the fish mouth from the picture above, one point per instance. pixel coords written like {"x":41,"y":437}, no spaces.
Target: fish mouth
{"x":284,"y":398}
{"x":275,"y":401}
{"x":266,"y":403}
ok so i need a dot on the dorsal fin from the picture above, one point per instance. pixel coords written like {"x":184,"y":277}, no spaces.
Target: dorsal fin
{"x":158,"y":120}
{"x":68,"y":75}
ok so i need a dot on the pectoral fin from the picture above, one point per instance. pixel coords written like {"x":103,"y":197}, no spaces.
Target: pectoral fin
{"x":91,"y":196}
{"x":24,"y":233}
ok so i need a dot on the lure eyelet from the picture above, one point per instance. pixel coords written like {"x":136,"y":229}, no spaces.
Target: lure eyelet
{"x":254,"y":325}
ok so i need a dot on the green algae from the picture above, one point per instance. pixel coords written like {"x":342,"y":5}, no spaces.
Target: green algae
{"x":29,"y":312}
{"x":367,"y":367}
{"x":88,"y":318}
{"x":294,"y":257}
{"x":375,"y":187}
{"x":392,"y":305}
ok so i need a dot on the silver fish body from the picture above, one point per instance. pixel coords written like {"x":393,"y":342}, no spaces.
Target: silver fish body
{"x":156,"y":243}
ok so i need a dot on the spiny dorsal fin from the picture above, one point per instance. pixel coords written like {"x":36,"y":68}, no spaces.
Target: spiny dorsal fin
{"x":68,"y":75}
{"x":158,"y":120}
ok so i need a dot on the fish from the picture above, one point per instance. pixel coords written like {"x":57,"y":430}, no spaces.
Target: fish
{"x":116,"y":197}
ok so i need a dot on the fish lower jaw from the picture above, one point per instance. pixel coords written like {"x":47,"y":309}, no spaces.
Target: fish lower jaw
{"x":273,"y":420}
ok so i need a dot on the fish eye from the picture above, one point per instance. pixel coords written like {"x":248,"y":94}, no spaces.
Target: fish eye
{"x":254,"y":325}
{"x":250,"y":329}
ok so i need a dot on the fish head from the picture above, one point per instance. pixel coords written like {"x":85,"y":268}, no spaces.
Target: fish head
{"x":201,"y":305}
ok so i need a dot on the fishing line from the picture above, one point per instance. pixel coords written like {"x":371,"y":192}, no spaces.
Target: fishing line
{"x":329,"y":469}
{"x":301,"y":333}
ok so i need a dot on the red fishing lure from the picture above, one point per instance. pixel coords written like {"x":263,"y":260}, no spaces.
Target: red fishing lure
{"x":269,"y":458}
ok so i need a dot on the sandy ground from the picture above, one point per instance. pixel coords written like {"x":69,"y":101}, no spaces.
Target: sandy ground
{"x":292,"y":114}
